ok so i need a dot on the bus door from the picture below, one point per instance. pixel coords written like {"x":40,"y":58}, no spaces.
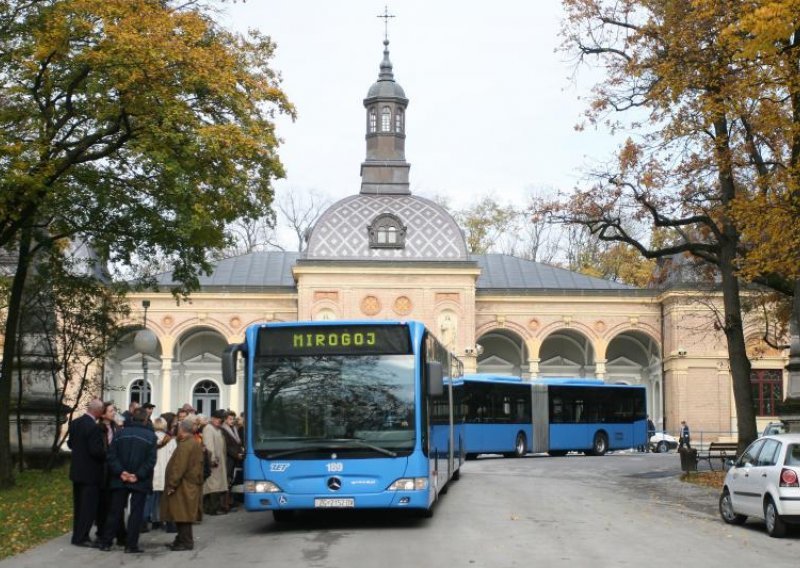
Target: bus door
{"x":540,"y":415}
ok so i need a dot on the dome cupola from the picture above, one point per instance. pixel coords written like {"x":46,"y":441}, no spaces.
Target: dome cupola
{"x":385,"y":170}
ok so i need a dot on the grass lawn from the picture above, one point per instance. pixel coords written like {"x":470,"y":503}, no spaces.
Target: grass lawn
{"x":37,"y":509}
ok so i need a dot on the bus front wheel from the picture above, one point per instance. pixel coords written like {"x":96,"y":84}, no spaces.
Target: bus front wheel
{"x":600,"y":444}
{"x":282,"y":515}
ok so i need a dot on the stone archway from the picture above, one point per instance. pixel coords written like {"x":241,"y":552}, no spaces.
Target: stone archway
{"x":504,"y":352}
{"x":198,"y":356}
{"x":634,"y":358}
{"x":567,"y":353}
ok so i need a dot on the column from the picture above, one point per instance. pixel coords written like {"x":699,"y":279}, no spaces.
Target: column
{"x":600,"y":368}
{"x":166,"y":384}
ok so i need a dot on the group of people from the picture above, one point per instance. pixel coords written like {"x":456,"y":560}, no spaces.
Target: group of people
{"x":167,"y":471}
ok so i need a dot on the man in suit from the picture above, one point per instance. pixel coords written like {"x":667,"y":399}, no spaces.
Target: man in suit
{"x":86,"y":471}
{"x":131,"y":460}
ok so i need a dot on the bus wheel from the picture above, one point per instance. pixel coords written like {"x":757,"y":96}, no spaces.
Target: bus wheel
{"x":471,"y":457}
{"x":520,"y":446}
{"x":456,"y":475}
{"x":600,"y":444}
{"x":282,"y":515}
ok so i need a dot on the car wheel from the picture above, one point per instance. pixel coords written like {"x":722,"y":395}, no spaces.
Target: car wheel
{"x":600,"y":444}
{"x":662,"y":447}
{"x":776,"y":527}
{"x":726,"y":510}
{"x":520,"y":446}
{"x":282,"y":515}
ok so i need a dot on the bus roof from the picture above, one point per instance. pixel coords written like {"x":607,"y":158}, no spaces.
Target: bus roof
{"x":567,"y":381}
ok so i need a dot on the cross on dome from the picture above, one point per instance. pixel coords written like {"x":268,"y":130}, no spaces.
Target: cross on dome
{"x":386,"y":15}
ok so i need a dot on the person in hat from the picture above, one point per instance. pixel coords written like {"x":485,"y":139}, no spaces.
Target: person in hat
{"x":216,"y":486}
{"x":182,"y":501}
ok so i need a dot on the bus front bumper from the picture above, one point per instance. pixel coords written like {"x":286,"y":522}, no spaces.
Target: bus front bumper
{"x":382,"y":500}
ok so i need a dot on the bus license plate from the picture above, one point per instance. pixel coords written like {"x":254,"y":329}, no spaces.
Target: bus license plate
{"x":329,"y":503}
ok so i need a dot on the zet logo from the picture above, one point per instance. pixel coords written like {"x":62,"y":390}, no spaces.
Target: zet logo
{"x":279,"y":467}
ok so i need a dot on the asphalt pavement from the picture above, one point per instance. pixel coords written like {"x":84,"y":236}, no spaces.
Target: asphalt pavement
{"x":623,"y":509}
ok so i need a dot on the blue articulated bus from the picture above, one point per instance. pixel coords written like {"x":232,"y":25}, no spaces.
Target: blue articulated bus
{"x":510,"y":416}
{"x":588,"y":416}
{"x":497,"y":415}
{"x":347,"y":415}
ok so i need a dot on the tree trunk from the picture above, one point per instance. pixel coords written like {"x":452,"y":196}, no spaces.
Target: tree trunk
{"x":9,"y":353}
{"x":737,"y":351}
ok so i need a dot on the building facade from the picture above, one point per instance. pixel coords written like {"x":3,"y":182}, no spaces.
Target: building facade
{"x":385,"y":253}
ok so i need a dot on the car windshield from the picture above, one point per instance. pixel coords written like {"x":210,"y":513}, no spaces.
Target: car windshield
{"x":793,"y":454}
{"x":309,"y":405}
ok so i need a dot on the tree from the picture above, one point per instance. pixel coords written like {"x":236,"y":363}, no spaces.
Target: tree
{"x":485,"y":223}
{"x":75,"y":316}
{"x":675,"y":68}
{"x":768,"y":42}
{"x":300,"y":210}
{"x":141,"y":125}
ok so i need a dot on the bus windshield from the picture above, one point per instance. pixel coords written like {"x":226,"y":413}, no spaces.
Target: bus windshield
{"x":355,"y":405}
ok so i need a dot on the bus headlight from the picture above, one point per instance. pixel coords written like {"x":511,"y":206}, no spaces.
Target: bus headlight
{"x":409,"y":484}
{"x":261,"y":487}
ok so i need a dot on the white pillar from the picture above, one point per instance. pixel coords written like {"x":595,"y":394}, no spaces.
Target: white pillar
{"x":166,"y":384}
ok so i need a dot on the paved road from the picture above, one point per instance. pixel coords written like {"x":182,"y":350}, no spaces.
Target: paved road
{"x":618,"y":510}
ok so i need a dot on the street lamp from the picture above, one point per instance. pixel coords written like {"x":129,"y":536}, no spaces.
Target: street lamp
{"x":145,"y":343}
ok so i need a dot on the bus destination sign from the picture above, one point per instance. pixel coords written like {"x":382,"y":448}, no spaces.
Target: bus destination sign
{"x":334,"y":340}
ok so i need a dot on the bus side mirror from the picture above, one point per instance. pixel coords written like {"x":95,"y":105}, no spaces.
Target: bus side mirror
{"x":435,"y":378}
{"x":229,"y":356}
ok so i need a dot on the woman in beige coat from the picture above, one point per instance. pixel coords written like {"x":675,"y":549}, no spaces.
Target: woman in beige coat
{"x":182,"y":502}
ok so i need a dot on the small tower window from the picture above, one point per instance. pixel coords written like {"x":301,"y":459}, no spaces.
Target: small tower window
{"x":387,"y":231}
{"x":398,"y":121}
{"x":373,"y":120}
{"x":386,"y":119}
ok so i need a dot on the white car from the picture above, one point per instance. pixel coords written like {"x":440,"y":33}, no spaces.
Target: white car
{"x":662,"y":443}
{"x":763,"y":483}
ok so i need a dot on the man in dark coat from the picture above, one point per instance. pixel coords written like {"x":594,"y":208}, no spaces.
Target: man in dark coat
{"x":182,"y":502}
{"x":234,"y":451}
{"x":131,"y":460}
{"x":86,"y":471}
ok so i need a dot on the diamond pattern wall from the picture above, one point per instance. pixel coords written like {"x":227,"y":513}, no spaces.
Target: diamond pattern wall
{"x":341,"y":232}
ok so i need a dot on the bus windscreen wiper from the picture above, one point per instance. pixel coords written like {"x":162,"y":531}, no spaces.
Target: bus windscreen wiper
{"x":330,"y":444}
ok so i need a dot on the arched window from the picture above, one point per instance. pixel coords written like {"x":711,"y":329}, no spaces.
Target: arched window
{"x":137,"y":392}
{"x":206,"y":397}
{"x":386,"y":119}
{"x":387,"y":231}
{"x":398,"y":121}
{"x":373,"y":120}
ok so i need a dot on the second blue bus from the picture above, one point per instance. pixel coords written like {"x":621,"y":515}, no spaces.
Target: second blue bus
{"x":512,"y":416}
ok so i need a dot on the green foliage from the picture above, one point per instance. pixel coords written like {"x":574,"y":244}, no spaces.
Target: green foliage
{"x":140,"y":124}
{"x":37,"y":509}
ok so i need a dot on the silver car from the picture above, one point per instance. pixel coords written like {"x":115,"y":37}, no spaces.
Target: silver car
{"x":763,"y":483}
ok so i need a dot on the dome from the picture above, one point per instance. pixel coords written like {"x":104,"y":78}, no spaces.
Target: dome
{"x":386,"y":89}
{"x":386,"y":86}
{"x":342,"y":232}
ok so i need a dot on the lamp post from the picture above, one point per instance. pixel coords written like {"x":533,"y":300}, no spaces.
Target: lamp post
{"x":145,"y":343}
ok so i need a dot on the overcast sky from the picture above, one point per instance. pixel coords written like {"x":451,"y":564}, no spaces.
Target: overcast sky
{"x":493,"y":105}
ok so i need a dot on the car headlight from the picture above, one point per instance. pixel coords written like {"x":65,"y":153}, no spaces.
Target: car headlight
{"x":409,"y":484}
{"x":261,"y":487}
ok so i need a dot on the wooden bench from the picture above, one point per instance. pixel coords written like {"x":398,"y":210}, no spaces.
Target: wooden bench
{"x":722,"y":451}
